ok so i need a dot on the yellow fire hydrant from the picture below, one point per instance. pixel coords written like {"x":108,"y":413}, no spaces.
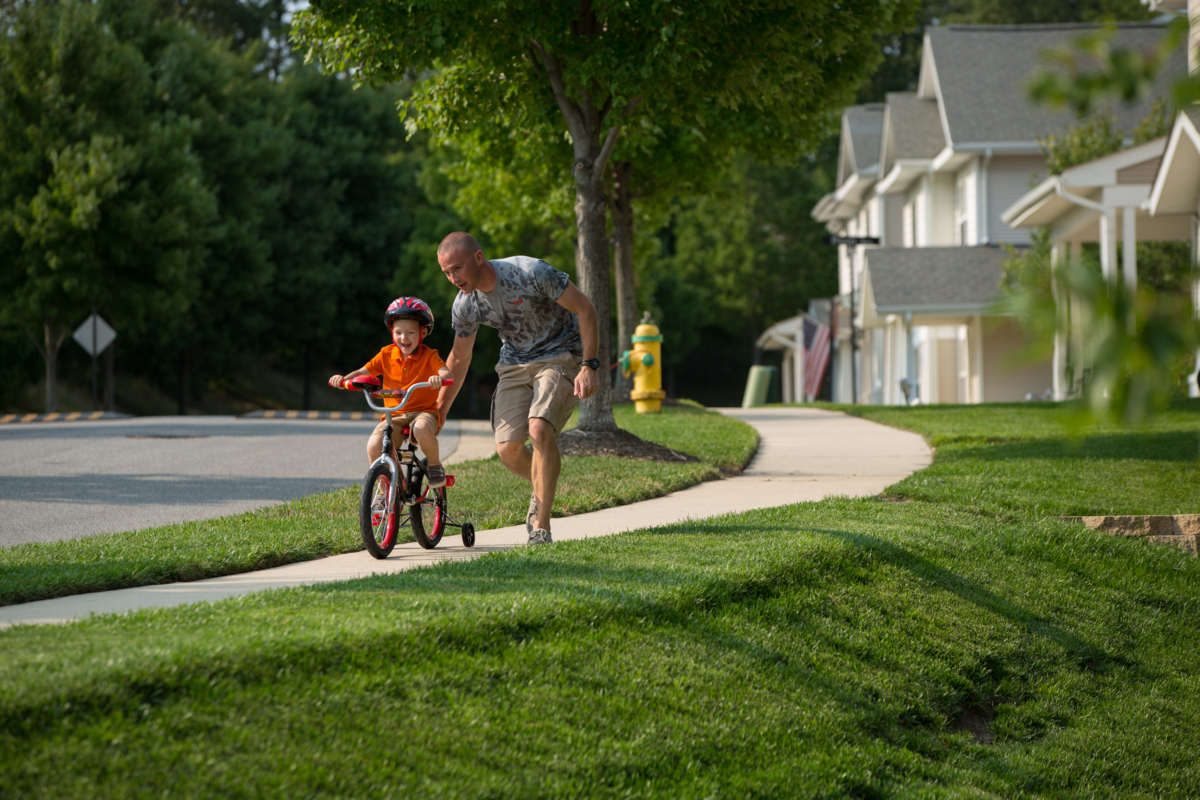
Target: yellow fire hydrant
{"x":644,"y":362}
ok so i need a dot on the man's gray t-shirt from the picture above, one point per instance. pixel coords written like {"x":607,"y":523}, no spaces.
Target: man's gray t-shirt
{"x":524,"y":307}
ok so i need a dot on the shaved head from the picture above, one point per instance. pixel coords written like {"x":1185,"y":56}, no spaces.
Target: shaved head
{"x":458,"y":242}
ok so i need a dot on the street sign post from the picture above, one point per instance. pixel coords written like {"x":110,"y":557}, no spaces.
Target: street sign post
{"x":94,"y":336}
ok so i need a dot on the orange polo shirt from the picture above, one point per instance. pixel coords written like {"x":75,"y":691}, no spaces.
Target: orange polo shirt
{"x":400,"y":372}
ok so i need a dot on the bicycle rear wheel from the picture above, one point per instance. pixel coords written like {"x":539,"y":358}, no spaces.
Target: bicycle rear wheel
{"x":428,"y":518}
{"x":377,"y":521}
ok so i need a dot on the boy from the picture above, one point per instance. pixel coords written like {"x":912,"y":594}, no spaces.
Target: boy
{"x":401,"y":364}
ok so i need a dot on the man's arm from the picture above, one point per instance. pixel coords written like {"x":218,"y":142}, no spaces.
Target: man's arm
{"x":457,"y":363}
{"x":587,"y":382}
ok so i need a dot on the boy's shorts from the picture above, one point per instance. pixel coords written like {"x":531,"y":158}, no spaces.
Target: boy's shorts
{"x":543,"y":389}
{"x":402,"y":421}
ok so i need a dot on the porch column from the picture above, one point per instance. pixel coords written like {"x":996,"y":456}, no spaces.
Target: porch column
{"x":975,"y":360}
{"x":1058,"y":257}
{"x":798,"y":367}
{"x":785,"y":380}
{"x":1076,"y":349}
{"x":1108,"y":244}
{"x":910,"y":366}
{"x":1129,"y":258}
{"x":1194,"y":378}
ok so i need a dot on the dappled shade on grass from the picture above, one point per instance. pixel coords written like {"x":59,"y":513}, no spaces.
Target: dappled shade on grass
{"x":827,"y":649}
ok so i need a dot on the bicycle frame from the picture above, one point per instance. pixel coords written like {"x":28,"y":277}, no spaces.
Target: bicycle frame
{"x":401,"y":479}
{"x":386,"y":455}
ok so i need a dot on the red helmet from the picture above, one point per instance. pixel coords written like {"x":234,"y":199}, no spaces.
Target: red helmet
{"x":410,"y":308}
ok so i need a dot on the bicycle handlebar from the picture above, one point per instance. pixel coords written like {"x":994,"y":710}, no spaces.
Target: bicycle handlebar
{"x":389,"y":393}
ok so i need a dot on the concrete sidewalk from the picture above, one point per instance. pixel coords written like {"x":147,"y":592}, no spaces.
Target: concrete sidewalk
{"x":805,"y":454}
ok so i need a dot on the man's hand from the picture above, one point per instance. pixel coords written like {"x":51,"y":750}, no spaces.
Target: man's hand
{"x":587,"y":383}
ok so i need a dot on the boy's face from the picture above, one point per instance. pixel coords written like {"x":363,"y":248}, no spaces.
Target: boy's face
{"x":406,"y":333}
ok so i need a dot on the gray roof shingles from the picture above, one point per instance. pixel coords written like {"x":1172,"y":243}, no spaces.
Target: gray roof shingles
{"x":984,"y":71}
{"x":915,"y":126}
{"x":932,"y":277}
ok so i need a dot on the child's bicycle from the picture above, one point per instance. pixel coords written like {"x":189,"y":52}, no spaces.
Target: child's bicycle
{"x":395,"y":492}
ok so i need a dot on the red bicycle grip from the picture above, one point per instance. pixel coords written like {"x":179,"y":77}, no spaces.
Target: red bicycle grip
{"x":447,"y":381}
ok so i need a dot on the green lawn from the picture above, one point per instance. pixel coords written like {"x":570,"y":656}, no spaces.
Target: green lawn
{"x":1019,"y":461}
{"x":847,"y":648}
{"x":485,"y":493}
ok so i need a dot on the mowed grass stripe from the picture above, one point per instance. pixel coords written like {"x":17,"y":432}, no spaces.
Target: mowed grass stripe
{"x":485,"y":494}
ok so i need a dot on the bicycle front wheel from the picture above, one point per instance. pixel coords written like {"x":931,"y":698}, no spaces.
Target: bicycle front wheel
{"x":377,"y":521}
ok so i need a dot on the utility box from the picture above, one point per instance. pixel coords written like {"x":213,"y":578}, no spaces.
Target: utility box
{"x":758,"y":385}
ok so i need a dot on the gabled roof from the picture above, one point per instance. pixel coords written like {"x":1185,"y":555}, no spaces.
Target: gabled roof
{"x":912,"y":136}
{"x":1061,"y":194}
{"x":935,"y":279}
{"x":1176,"y":188}
{"x":982,"y":72}
{"x":913,"y":126}
{"x":861,"y":129}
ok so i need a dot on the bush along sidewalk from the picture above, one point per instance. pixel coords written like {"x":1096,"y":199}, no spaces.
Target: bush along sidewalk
{"x":485,"y":493}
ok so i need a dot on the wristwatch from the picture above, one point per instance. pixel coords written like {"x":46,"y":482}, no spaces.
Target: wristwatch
{"x":594,"y":363}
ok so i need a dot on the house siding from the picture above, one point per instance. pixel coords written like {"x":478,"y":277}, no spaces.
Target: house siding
{"x":1008,"y":179}
{"x":1009,"y":379}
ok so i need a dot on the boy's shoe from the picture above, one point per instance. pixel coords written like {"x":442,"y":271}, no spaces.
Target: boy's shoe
{"x":540,"y":536}
{"x":531,"y":515}
{"x":437,"y":477}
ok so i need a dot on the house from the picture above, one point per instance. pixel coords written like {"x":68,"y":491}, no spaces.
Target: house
{"x":1104,"y":201}
{"x":925,"y":178}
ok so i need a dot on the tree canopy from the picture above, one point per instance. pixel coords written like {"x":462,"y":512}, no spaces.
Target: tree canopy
{"x":606,"y":68}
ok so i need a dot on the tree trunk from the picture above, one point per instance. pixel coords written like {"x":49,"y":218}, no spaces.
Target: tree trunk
{"x":622,"y":211}
{"x":110,"y":358}
{"x":185,"y":382}
{"x":306,"y":404}
{"x":53,"y":340}
{"x":595,"y":414}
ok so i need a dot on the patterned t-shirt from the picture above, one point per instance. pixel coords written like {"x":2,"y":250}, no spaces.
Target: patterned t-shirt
{"x":524,"y":307}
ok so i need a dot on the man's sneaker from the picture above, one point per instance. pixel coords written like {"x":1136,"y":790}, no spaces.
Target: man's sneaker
{"x":437,"y":477}
{"x":540,"y":536}
{"x":531,"y":516}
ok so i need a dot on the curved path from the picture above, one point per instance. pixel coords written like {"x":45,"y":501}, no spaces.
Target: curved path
{"x":805,"y":454}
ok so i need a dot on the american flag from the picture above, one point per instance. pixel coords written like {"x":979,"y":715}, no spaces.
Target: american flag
{"x":816,"y":354}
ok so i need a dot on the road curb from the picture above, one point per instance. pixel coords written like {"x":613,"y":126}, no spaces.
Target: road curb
{"x":352,"y":416}
{"x":63,"y":416}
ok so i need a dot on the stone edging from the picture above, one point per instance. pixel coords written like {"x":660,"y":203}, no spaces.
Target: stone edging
{"x":1181,"y":530}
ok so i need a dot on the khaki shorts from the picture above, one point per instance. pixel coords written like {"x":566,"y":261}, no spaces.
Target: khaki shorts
{"x":402,"y":421}
{"x":544,"y":389}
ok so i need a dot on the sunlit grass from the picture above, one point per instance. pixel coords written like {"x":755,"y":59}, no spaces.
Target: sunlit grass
{"x":485,"y":494}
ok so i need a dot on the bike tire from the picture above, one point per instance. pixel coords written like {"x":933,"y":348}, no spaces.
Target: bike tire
{"x":428,"y":518}
{"x":468,"y":535}
{"x":378,"y":528}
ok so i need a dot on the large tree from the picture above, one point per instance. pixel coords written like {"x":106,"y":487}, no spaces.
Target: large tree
{"x":101,"y":197}
{"x":604,"y":65}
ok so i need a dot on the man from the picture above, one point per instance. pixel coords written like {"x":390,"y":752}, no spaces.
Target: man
{"x":549,"y":334}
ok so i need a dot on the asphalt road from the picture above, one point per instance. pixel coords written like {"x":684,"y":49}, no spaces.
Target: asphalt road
{"x":63,"y":481}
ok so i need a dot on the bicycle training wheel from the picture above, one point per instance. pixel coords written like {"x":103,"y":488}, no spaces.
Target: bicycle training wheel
{"x":377,"y":521}
{"x":428,"y":518}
